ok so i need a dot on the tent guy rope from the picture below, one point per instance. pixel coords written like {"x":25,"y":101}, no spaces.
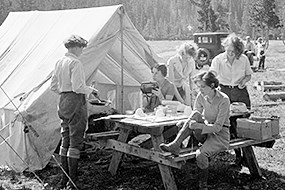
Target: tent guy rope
{"x":26,"y":123}
{"x":38,"y":178}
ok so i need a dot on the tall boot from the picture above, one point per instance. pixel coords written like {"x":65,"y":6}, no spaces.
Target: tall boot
{"x":203,"y":178}
{"x":174,"y":146}
{"x":193,"y":142}
{"x":72,"y":166}
{"x":238,"y":160}
{"x":64,"y":165}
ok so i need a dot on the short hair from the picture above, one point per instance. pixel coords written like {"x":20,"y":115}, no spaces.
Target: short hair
{"x":208,"y":77}
{"x":188,"y":48}
{"x":236,"y":42}
{"x":75,"y":41}
{"x":259,"y":39}
{"x":162,"y":68}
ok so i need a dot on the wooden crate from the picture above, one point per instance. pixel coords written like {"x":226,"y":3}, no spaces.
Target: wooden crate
{"x":258,"y":129}
{"x":274,"y":123}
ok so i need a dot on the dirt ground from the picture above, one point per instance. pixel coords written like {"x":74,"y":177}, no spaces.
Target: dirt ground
{"x":139,"y":174}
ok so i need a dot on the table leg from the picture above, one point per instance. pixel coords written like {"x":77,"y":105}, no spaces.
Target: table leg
{"x":168,"y":132}
{"x":117,"y":156}
{"x":165,"y":171}
{"x":252,"y":162}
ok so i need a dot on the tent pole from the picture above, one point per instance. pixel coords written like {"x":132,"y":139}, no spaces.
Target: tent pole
{"x":122,"y":60}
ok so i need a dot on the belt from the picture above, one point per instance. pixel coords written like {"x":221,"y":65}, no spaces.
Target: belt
{"x":225,"y":126}
{"x":67,"y":92}
{"x":228,"y":86}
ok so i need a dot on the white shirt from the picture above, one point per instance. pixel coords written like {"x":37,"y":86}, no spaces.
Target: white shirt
{"x":227,"y":73}
{"x":69,"y":76}
{"x":249,"y":46}
{"x":177,"y":73}
{"x":260,"y":47}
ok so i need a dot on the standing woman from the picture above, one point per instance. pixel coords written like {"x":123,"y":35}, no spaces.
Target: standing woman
{"x":249,"y":50}
{"x":233,"y":71}
{"x":181,"y":68}
{"x":261,"y":46}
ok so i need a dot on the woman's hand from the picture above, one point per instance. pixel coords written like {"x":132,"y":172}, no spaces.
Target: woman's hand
{"x":239,"y":81}
{"x":180,"y":124}
{"x":242,"y":81}
{"x":158,"y":93}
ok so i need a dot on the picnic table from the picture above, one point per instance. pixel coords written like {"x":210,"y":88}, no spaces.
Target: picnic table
{"x":166,"y":161}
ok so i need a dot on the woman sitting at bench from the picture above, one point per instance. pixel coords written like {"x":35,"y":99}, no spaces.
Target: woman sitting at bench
{"x":211,"y":128}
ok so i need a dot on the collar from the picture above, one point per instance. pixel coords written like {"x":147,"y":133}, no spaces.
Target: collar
{"x":224,"y":57}
{"x":217,"y":95}
{"x":71,"y":55}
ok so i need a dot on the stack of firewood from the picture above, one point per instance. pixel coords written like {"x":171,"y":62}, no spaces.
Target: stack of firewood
{"x":273,"y":90}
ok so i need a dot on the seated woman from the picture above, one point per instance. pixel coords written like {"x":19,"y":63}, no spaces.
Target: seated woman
{"x":214,"y":107}
{"x":166,"y":89}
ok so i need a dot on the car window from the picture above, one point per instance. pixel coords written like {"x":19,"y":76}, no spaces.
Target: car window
{"x":222,"y":39}
{"x":205,"y":40}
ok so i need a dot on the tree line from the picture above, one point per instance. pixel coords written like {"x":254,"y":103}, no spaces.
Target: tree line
{"x":179,"y":19}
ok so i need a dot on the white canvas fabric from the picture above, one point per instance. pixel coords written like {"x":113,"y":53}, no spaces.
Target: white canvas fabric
{"x":31,"y":43}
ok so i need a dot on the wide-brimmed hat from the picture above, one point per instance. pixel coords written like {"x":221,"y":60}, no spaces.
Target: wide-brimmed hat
{"x":238,"y":107}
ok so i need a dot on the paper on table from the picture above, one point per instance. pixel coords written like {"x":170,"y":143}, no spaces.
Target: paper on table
{"x":153,"y":118}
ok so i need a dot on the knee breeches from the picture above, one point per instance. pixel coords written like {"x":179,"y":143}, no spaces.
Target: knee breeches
{"x":73,"y":114}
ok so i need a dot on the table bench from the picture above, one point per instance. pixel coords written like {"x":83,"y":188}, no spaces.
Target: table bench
{"x":95,"y":141}
{"x":102,"y":135}
{"x":165,"y":160}
{"x":243,"y":143}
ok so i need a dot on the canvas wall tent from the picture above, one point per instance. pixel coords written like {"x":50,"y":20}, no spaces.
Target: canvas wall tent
{"x":31,"y":43}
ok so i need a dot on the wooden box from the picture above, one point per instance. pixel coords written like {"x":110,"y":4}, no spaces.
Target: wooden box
{"x":258,"y":129}
{"x":274,"y":123}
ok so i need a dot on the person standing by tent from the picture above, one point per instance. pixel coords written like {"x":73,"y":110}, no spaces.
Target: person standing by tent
{"x":233,"y":70}
{"x":69,"y":81}
{"x":261,"y":46}
{"x":249,"y":50}
{"x":181,"y":68}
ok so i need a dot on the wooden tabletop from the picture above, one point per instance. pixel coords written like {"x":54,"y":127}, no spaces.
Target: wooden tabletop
{"x":148,"y":125}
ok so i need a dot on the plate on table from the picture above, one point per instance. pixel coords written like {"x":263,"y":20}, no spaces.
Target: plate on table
{"x":170,"y":102}
{"x":97,"y":102}
{"x":117,"y":116}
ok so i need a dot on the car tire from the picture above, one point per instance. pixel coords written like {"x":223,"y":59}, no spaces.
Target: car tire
{"x":206,"y":56}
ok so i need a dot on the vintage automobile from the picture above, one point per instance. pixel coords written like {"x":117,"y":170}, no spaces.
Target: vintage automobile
{"x":209,"y":44}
